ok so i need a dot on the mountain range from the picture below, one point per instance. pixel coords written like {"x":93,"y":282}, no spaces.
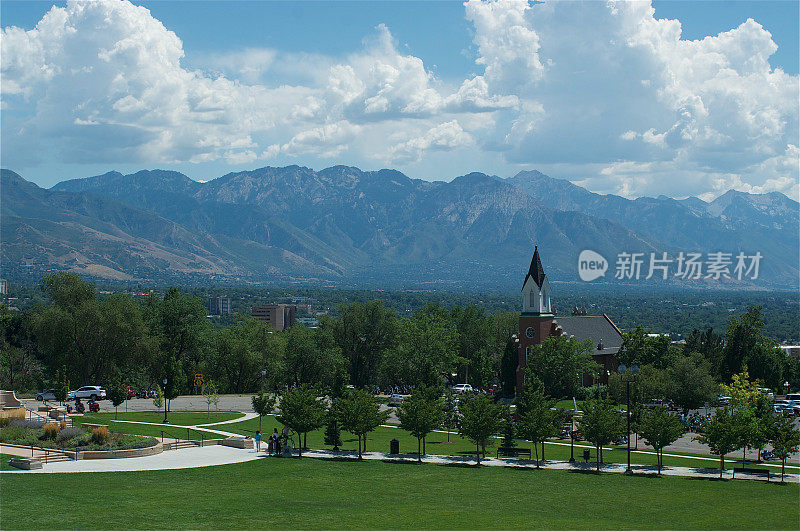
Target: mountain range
{"x":345,"y":226}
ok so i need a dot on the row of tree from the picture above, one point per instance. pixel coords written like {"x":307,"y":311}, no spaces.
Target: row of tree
{"x":745,"y":424}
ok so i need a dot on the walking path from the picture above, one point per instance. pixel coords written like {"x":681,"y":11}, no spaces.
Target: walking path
{"x":223,"y":455}
{"x":247,"y":416}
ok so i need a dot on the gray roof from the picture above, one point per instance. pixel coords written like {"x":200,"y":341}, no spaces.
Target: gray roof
{"x":597,"y":328}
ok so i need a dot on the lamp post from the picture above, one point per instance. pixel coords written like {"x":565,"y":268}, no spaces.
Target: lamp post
{"x":165,"y":402}
{"x":633,"y":370}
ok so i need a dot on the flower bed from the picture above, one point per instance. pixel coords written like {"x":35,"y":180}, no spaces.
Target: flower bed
{"x":57,"y":437}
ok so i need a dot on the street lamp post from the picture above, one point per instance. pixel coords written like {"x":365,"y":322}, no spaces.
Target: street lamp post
{"x":633,"y":370}
{"x":165,"y":402}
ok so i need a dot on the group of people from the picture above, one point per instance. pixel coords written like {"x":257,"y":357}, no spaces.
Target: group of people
{"x":275,"y":442}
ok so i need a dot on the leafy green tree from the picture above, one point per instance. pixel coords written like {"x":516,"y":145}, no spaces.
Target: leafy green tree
{"x":480,"y":421}
{"x":556,"y":362}
{"x":638,"y":348}
{"x":473,"y":339}
{"x":785,"y":439}
{"x":723,"y":434}
{"x":422,"y":413}
{"x":263,"y":405}
{"x":360,"y":415}
{"x":158,"y":401}
{"x":238,"y":356}
{"x":450,"y":411}
{"x":117,"y":393}
{"x":67,"y":290}
{"x":173,"y":372}
{"x":427,"y":347}
{"x":311,"y":357}
{"x":747,"y":346}
{"x":601,"y":424}
{"x":333,"y":430}
{"x":709,"y":344}
{"x":689,"y":383}
{"x":301,"y":410}
{"x":538,"y":420}
{"x":508,"y":369}
{"x":659,"y":428}
{"x":510,"y":430}
{"x":61,"y":387}
{"x":211,"y":396}
{"x":364,"y":333}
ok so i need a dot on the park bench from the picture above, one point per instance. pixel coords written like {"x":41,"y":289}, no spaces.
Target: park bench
{"x":513,"y":452}
{"x":746,"y":470}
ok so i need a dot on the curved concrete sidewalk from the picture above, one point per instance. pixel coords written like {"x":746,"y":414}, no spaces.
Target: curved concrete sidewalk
{"x":170,"y":460}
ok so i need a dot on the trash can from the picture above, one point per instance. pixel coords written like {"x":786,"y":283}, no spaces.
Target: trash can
{"x":394,"y":447}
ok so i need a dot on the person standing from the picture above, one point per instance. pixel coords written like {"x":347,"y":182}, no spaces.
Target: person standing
{"x":258,"y":441}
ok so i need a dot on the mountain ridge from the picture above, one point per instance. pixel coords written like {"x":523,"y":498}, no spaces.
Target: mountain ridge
{"x":341,"y":223}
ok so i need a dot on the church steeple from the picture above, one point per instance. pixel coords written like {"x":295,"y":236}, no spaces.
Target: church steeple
{"x":536,"y":270}
{"x":536,"y":288}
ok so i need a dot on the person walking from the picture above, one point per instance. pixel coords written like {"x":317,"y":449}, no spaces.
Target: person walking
{"x":270,"y":444}
{"x":258,"y":441}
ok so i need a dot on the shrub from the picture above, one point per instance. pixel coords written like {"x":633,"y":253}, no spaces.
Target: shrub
{"x":24,"y":423}
{"x":67,"y":434}
{"x":5,"y":421}
{"x":62,"y":424}
{"x":12,"y":433}
{"x":50,"y":430}
{"x":100,"y":435}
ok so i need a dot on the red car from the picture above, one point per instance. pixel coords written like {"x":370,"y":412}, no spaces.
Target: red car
{"x":131,"y":392}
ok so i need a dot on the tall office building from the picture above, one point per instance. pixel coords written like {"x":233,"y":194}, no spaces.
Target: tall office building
{"x":280,"y":316}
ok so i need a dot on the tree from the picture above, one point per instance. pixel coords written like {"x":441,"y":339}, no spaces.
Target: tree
{"x":722,"y":435}
{"x":61,"y":388}
{"x":659,"y":428}
{"x":480,"y":421}
{"x":263,"y":405}
{"x":333,"y":430}
{"x":450,"y":406}
{"x":421,"y":414}
{"x":364,"y":332}
{"x":510,"y":430}
{"x":785,"y":439}
{"x":173,"y":372}
{"x":473,"y":337}
{"x":747,"y":346}
{"x":556,"y":362}
{"x":427,"y":347}
{"x":360,"y":414}
{"x":117,"y":393}
{"x":158,"y":401}
{"x":537,"y":418}
{"x":301,"y":410}
{"x":689,"y":383}
{"x":601,"y":424}
{"x":212,"y":397}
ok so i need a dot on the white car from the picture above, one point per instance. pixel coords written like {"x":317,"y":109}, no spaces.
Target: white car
{"x":93,"y":392}
{"x":461,"y":389}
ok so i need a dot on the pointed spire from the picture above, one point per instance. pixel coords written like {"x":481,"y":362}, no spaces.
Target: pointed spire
{"x":536,"y":271}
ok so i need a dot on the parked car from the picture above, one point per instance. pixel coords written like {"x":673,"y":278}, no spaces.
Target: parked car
{"x":95,"y":392}
{"x":766,"y":391}
{"x":723,"y":400}
{"x":47,"y":394}
{"x":793,"y":397}
{"x":461,"y":389}
{"x":131,"y":392}
{"x":395,"y":400}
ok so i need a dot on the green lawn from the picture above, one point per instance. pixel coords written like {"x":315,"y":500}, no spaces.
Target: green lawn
{"x":437,"y":443}
{"x":185,"y":418}
{"x":312,"y":493}
{"x":4,"y":459}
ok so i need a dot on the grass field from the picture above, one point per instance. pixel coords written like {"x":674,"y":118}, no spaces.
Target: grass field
{"x":314,"y":493}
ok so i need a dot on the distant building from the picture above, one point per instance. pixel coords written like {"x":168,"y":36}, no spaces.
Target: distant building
{"x":219,"y":305}
{"x":3,"y":287}
{"x":280,"y":316}
{"x":537,"y":322}
{"x":793,"y":351}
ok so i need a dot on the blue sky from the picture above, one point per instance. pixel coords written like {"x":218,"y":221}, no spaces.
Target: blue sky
{"x":595,"y":93}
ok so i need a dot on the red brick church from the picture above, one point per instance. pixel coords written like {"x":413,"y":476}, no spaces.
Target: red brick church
{"x":539,"y":321}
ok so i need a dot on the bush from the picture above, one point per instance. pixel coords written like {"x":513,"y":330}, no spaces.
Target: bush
{"x":100,"y":435}
{"x":30,"y":424}
{"x":50,"y":431}
{"x":13,"y":433}
{"x":62,"y":424}
{"x":67,"y":434}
